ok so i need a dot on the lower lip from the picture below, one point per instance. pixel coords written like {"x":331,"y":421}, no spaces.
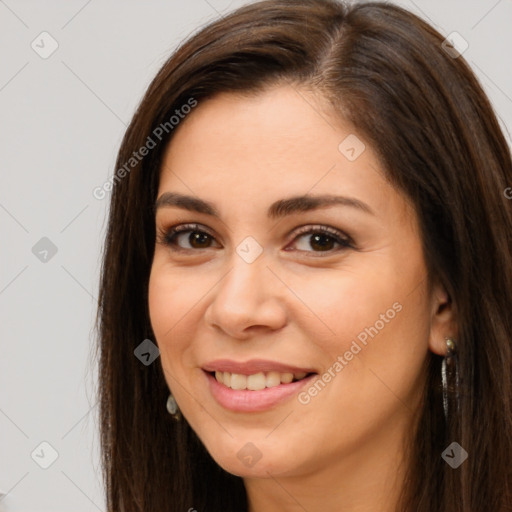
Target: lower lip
{"x":253,"y":401}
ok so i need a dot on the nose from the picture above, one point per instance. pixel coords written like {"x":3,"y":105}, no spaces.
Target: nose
{"x":247,"y":300}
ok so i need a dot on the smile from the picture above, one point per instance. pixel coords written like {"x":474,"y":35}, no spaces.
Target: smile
{"x":234,"y":391}
{"x":257,"y":381}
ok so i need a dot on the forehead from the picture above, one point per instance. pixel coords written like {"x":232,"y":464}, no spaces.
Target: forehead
{"x":279,"y":143}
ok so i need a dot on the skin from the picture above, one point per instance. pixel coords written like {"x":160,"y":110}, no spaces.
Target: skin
{"x":303,"y":306}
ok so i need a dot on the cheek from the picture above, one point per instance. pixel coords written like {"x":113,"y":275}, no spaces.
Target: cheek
{"x":377,"y":319}
{"x":342,"y":303}
{"x":171,"y":301}
{"x":382,"y":338}
{"x":163,"y":303}
{"x":173,"y":296}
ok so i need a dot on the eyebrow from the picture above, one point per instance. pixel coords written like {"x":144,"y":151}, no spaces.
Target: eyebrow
{"x":280,"y":208}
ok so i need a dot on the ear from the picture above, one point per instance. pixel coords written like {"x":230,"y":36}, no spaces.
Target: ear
{"x":443,"y":320}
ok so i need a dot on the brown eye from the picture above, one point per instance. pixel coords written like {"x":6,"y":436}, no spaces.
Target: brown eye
{"x":321,"y":239}
{"x":186,"y":237}
{"x":196,"y":239}
{"x":322,"y":242}
{"x":316,"y":239}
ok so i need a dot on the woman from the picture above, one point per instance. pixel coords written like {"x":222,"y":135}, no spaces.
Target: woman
{"x":309,"y":221}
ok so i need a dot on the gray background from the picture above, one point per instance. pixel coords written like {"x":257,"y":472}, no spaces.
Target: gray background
{"x":62,"y":120}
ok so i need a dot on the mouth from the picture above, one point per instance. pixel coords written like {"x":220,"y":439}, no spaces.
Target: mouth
{"x":257,"y":381}
{"x":256,"y":392}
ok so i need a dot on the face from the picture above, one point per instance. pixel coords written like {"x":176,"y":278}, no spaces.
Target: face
{"x":260,"y":287}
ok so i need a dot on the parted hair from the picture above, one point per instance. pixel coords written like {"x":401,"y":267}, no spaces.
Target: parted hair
{"x":425,"y":114}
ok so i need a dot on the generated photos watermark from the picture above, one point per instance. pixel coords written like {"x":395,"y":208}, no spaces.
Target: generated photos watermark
{"x":152,"y":141}
{"x":304,"y":397}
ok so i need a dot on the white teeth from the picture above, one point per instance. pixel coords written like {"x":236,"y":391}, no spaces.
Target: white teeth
{"x":286,"y":378}
{"x":273,"y":379}
{"x":238,"y":381}
{"x":257,"y":381}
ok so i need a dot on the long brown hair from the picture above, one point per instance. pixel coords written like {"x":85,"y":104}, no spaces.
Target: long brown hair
{"x":384,"y":70}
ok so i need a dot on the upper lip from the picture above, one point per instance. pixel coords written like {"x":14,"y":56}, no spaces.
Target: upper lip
{"x":252,"y":366}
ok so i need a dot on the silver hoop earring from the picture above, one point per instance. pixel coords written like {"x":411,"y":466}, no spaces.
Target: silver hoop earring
{"x":172,"y":408}
{"x":450,"y":377}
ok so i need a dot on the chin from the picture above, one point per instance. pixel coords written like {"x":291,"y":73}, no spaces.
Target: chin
{"x":254,"y":459}
{"x":260,"y":469}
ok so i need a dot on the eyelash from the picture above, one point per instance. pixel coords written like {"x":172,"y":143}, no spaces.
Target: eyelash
{"x":168,"y":238}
